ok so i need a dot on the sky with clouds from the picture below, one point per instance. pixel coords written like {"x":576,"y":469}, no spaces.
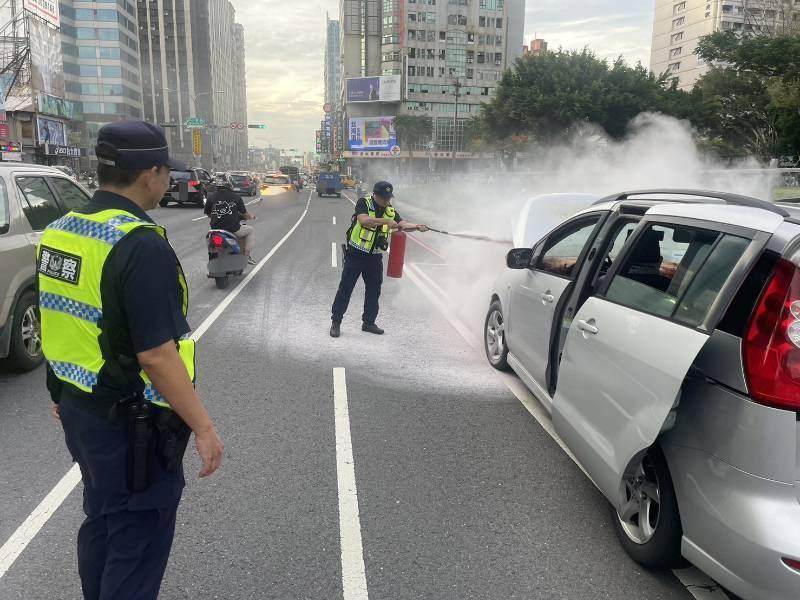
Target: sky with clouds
{"x":285,"y":48}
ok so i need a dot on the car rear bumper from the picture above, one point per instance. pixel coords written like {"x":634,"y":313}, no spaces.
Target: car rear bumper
{"x":737,"y":527}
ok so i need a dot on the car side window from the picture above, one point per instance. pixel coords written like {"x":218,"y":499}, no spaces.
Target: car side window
{"x":40,"y":205}
{"x":71,"y":196}
{"x":676,"y":272}
{"x":5,"y":209}
{"x":562,"y":249}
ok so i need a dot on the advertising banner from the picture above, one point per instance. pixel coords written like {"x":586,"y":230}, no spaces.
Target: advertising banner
{"x":45,"y":9}
{"x":69,"y":151}
{"x":51,"y":132}
{"x":4,"y":132}
{"x":47,"y":66}
{"x":371,"y":133}
{"x":374,"y":89}
{"x":11,"y":152}
{"x":51,"y":105}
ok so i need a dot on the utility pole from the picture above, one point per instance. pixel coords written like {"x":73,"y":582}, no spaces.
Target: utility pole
{"x":458,"y":85}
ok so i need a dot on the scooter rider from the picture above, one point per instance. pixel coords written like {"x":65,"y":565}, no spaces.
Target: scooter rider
{"x":226,"y":210}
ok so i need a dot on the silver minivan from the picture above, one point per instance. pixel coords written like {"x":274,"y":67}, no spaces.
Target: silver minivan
{"x":661,"y":330}
{"x":31,"y":197}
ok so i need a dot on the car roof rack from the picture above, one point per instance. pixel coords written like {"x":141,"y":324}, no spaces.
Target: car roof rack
{"x":732,"y":199}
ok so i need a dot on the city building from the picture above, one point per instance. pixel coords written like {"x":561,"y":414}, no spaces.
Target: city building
{"x":439,"y":59}
{"x":331,"y":137}
{"x":102,"y":72}
{"x":192,"y":57}
{"x":679,"y":25}
{"x":536,"y":48}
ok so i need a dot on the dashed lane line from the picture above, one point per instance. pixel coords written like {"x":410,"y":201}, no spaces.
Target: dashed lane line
{"x":354,"y":579}
{"x":19,"y":540}
{"x":333,"y":255}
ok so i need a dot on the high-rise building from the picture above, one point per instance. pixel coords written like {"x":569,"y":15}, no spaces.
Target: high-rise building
{"x":443,"y":58}
{"x":679,"y":25}
{"x":101,"y":65}
{"x":331,"y":140}
{"x":537,"y":47}
{"x":192,"y":56}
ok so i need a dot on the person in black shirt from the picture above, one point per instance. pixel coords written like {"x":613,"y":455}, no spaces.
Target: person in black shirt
{"x":226,"y":210}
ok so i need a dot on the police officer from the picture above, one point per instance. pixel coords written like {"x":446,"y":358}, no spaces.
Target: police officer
{"x":373,"y":222}
{"x":120,"y":367}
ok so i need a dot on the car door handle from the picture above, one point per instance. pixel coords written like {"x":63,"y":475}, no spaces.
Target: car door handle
{"x":547,"y":297}
{"x":588,"y":326}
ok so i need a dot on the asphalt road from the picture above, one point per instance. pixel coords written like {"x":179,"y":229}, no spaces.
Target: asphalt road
{"x":461,"y":493}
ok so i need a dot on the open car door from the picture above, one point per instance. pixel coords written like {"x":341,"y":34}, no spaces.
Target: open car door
{"x":631,"y":345}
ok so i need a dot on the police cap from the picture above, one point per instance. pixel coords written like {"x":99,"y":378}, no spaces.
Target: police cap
{"x":134,"y":145}
{"x":383,"y":189}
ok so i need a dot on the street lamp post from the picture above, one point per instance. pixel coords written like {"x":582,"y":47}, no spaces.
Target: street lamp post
{"x":458,"y":85}
{"x":193,"y":108}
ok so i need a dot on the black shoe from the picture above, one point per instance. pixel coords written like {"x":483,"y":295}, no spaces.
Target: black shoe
{"x":372,"y":328}
{"x":335,"y":328}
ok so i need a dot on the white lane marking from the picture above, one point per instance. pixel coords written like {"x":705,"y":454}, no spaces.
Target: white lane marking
{"x":333,"y":255}
{"x":200,"y":218}
{"x":25,"y":533}
{"x":334,"y":219}
{"x":697,"y":583}
{"x":354,"y":579}
{"x":253,"y":201}
{"x":20,"y":539}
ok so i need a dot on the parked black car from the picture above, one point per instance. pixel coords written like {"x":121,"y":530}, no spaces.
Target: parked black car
{"x":189,"y":186}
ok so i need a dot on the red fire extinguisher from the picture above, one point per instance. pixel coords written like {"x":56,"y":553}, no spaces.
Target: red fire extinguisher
{"x":397,"y":254}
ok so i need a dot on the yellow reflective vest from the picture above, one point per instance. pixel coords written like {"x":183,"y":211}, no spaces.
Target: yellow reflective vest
{"x":364,"y":238}
{"x":70,"y":260}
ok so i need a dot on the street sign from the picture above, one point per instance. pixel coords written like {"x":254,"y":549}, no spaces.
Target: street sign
{"x":195,"y":123}
{"x":395,"y":151}
{"x":171,"y":124}
{"x":197,"y":142}
{"x":240,"y":126}
{"x":257,"y":126}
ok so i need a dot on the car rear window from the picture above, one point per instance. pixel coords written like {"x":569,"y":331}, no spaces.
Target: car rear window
{"x":239,"y":178}
{"x":5,"y":216}
{"x":676,"y":272}
{"x":181,"y":175}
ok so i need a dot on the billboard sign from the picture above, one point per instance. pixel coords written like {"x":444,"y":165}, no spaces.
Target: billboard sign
{"x":51,"y":105}
{"x":374,"y":89}
{"x":68,"y":151}
{"x":371,"y":133}
{"x":51,"y":132}
{"x":45,"y":9}
{"x":47,"y":66}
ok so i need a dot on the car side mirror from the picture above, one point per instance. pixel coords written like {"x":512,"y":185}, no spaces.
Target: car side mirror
{"x":519,"y":258}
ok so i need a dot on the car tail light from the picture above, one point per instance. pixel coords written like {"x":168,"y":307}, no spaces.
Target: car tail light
{"x":217,"y":240}
{"x":193,"y":184}
{"x":772,"y":343}
{"x":791,"y":563}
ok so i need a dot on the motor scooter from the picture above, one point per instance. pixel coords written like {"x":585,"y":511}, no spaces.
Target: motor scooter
{"x":225,"y":257}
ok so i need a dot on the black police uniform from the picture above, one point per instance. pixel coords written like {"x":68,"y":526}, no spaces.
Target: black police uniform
{"x":125,"y":541}
{"x":367,"y":265}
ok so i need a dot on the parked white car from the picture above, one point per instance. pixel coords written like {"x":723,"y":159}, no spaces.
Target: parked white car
{"x":661,"y":329}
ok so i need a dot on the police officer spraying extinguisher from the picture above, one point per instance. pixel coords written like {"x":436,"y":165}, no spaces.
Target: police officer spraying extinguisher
{"x":372,"y":224}
{"x":120,"y":366}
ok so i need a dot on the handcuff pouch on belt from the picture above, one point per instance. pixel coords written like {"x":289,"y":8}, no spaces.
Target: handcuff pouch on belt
{"x":154,"y":433}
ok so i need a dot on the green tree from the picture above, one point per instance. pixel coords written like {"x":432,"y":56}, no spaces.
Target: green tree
{"x":550,"y":95}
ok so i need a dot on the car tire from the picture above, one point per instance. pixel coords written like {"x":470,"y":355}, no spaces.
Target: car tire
{"x":319,"y":195}
{"x":656,"y":544}
{"x":163,"y":203}
{"x":26,"y":339}
{"x":338,"y":195}
{"x":494,"y":337}
{"x":222,"y":282}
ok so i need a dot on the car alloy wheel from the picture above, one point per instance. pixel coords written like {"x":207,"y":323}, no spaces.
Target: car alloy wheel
{"x":640,"y":514}
{"x":31,"y":332}
{"x":494,"y":338}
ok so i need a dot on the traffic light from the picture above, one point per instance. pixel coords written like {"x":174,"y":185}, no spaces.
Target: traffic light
{"x":257,"y":126}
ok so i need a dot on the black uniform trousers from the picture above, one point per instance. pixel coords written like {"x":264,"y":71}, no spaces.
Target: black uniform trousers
{"x":125,"y":541}
{"x":370,"y":268}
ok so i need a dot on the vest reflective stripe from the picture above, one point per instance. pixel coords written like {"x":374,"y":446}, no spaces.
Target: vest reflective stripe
{"x":71,"y":311}
{"x":364,"y":238}
{"x":69,"y":306}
